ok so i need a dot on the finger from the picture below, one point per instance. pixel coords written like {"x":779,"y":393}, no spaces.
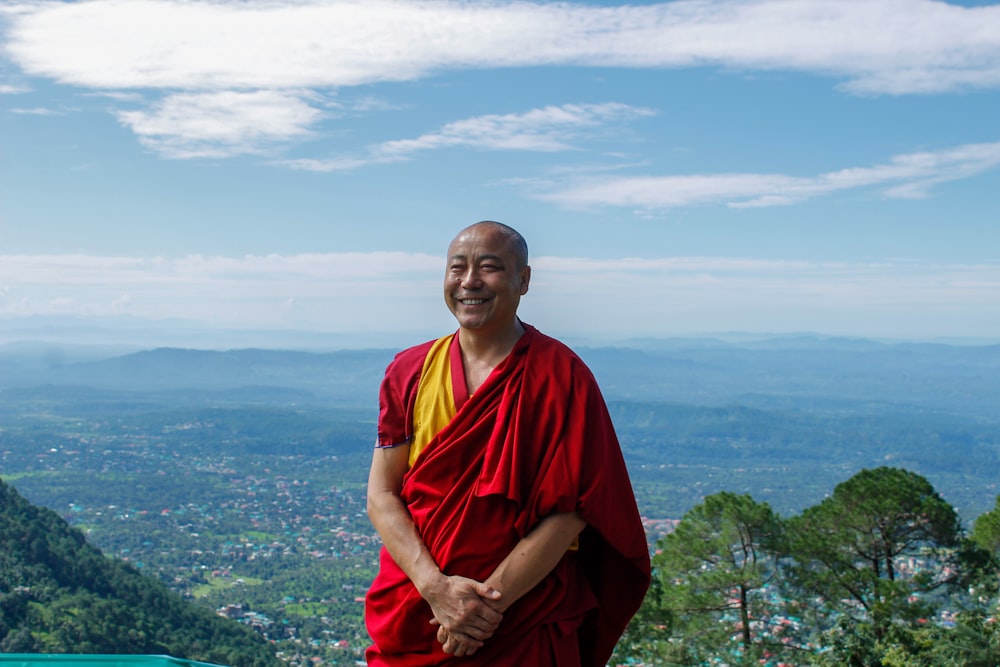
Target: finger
{"x":488,"y":614}
{"x":487,"y":592}
{"x":477,"y":632}
{"x":481,"y":616}
{"x":461,"y":648}
{"x":466,"y":640}
{"x":487,"y":623}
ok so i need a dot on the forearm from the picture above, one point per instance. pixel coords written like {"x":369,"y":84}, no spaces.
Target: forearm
{"x":393,"y":521}
{"x":535,"y":556}
{"x":394,"y":525}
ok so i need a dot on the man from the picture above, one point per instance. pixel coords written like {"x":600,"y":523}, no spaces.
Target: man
{"x":498,"y":487}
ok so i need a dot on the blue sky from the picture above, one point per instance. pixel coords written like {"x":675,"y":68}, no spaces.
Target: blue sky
{"x":678,"y":168}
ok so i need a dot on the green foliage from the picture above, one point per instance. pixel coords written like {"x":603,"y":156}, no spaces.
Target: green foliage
{"x":974,"y":641}
{"x":58,"y":594}
{"x":710,"y":599}
{"x":857,"y":580}
{"x":850,"y":546}
{"x":986,"y":530}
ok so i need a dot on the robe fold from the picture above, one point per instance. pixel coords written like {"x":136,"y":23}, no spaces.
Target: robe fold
{"x":535,"y":439}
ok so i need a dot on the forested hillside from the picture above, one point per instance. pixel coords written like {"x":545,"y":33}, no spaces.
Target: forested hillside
{"x":59,"y":594}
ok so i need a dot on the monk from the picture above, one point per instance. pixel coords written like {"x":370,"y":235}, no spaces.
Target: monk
{"x":510,"y":529}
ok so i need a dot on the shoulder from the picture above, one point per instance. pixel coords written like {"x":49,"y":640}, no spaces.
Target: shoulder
{"x":403,"y":372}
{"x":405,"y":361}
{"x":398,"y":393}
{"x":541,"y":343}
{"x":410,"y":361}
{"x":548,"y":352}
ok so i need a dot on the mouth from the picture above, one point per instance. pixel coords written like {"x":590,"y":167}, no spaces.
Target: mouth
{"x":471,"y":302}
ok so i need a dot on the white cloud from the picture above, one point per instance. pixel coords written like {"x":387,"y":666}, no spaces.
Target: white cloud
{"x":882,"y":46}
{"x":326,"y":165}
{"x":329,"y":291}
{"x":218,"y":124}
{"x":551,"y":128}
{"x":548,"y":129}
{"x":905,"y":176}
{"x":37,"y":111}
{"x":7,"y":89}
{"x":118,"y":96}
{"x":241,"y":75}
{"x":377,"y":292}
{"x":88,"y":270}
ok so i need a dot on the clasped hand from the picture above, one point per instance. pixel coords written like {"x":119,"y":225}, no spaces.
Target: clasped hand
{"x":467,"y":611}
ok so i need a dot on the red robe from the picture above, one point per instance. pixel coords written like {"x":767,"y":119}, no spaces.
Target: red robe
{"x":534,"y":440}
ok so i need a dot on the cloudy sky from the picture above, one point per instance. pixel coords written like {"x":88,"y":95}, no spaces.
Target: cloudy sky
{"x":679,"y":168}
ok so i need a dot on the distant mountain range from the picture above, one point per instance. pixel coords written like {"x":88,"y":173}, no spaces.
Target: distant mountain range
{"x":804,"y":372}
{"x":741,"y":404}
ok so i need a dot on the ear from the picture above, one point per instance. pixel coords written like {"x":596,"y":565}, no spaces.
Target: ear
{"x":525,"y":279}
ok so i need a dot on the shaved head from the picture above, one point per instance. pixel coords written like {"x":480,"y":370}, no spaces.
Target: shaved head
{"x":517,"y":243}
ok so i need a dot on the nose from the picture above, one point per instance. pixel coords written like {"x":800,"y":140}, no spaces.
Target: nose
{"x":470,"y":278}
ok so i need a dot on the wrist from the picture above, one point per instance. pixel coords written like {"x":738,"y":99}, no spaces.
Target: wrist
{"x":428,"y":582}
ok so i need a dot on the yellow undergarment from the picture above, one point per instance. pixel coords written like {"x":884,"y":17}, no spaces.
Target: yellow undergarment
{"x":435,"y":402}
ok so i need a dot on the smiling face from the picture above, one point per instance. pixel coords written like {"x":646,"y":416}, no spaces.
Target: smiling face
{"x":485,"y":278}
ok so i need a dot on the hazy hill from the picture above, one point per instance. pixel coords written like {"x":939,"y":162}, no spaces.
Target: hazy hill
{"x":340,"y":376}
{"x":782,"y":418}
{"x":804,"y":372}
{"x":58,"y":594}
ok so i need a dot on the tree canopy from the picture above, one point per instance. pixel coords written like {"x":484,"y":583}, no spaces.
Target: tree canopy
{"x":712,"y":575}
{"x":875,"y":575}
{"x":58,"y":594}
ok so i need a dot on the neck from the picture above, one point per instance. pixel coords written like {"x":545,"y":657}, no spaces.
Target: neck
{"x":489,"y":347}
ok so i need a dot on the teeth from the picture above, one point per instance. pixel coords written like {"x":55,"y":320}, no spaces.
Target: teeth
{"x":472,"y":302}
